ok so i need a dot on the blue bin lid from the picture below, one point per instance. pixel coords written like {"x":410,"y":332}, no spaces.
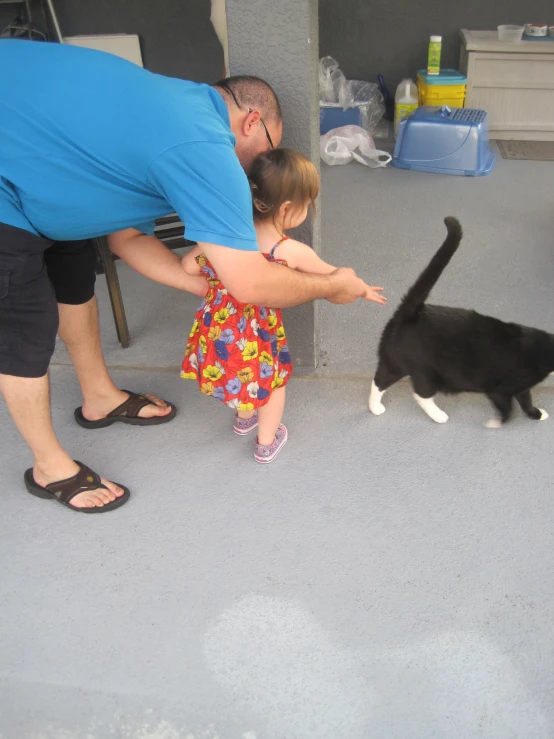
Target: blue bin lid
{"x":446,"y":77}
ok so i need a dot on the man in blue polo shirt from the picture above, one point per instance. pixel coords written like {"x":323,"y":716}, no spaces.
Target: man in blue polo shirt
{"x":91,"y":144}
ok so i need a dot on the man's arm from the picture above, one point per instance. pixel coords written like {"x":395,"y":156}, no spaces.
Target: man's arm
{"x":153,"y":259}
{"x":250,"y":278}
{"x":304,"y":259}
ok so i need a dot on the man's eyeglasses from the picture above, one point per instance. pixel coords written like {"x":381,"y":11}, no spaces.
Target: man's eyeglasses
{"x":250,"y":110}
{"x":227,"y":88}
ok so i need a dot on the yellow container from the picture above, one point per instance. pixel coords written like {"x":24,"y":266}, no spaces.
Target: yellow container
{"x":433,"y":91}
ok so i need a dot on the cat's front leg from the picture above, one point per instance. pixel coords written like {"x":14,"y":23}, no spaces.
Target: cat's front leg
{"x":424,"y":394}
{"x":526,"y":402}
{"x":431,"y":408}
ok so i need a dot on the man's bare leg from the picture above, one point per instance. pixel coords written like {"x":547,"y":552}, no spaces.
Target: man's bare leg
{"x":80,"y":331}
{"x":28,"y":400}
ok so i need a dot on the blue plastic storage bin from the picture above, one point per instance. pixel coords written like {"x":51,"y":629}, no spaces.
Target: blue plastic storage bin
{"x":332,"y":115}
{"x":444,"y":140}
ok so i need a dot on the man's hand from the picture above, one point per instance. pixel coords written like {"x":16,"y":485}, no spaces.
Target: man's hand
{"x":348,"y":287}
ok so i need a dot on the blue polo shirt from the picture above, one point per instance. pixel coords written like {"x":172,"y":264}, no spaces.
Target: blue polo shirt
{"x":91,"y":144}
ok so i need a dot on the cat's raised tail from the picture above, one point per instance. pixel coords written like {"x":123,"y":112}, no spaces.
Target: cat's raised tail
{"x":419,"y":292}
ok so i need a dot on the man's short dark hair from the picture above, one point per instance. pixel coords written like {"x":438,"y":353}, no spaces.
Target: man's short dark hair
{"x":253,"y":92}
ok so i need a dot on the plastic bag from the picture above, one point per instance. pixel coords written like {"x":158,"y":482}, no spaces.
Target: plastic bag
{"x":354,"y":92}
{"x":342,"y":145}
{"x":367,"y":97}
{"x":331,"y":80}
{"x":336,"y":91}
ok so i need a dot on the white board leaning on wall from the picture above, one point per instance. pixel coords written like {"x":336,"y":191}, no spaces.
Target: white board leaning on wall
{"x":125,"y":45}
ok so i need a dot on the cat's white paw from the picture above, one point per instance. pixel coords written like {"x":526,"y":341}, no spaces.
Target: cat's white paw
{"x":440,"y":416}
{"x":377,"y":408}
{"x":544,"y":415}
{"x":494,"y":423}
{"x":375,"y":405}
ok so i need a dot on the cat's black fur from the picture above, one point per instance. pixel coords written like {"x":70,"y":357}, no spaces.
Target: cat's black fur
{"x":452,"y":350}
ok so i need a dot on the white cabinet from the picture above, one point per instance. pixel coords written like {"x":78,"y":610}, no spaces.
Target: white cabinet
{"x":514,"y":83}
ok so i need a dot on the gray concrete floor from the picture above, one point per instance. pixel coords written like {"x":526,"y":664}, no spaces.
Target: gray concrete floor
{"x":387,"y":224}
{"x":383,"y":578}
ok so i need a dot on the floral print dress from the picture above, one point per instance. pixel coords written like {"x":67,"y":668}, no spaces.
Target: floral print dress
{"x":236,"y":352}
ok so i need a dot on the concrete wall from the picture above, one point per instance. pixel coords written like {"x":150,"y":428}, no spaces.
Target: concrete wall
{"x":279,"y":42}
{"x":177,"y":37}
{"x":391,"y":38}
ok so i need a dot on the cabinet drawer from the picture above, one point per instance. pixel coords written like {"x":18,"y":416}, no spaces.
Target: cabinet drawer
{"x":516,"y":71}
{"x":515,"y":109}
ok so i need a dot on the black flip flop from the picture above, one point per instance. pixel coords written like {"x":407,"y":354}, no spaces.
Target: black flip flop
{"x":127,"y":412}
{"x":65,"y":490}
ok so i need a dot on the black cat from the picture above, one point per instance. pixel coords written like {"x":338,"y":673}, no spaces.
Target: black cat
{"x":452,"y":350}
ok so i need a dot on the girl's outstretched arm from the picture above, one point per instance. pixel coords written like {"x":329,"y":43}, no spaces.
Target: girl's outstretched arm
{"x":303,"y":258}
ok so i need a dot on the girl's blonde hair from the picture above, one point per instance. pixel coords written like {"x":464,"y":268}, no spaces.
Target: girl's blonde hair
{"x":279,"y":175}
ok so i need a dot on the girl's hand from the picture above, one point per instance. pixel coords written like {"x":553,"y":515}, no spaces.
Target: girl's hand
{"x":373,"y":293}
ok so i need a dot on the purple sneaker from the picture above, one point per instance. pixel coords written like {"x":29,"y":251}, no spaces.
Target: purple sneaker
{"x":266,"y":453}
{"x":243,"y":426}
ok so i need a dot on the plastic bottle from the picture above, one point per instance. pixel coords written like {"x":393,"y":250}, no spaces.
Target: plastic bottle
{"x":405,"y":101}
{"x":434,"y":59}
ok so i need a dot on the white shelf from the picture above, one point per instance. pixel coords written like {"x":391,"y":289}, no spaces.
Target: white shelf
{"x":514,"y":83}
{"x":488,"y":41}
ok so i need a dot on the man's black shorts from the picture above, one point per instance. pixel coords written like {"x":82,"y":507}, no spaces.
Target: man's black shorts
{"x":35,"y":275}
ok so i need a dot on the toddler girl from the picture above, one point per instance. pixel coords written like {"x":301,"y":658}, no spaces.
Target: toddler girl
{"x":238,"y":353}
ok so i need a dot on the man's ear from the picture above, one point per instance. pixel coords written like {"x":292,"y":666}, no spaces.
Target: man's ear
{"x":250,"y":123}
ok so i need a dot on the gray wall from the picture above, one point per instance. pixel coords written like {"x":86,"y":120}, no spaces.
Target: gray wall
{"x":391,"y":38}
{"x":278,"y":42}
{"x":177,"y":37}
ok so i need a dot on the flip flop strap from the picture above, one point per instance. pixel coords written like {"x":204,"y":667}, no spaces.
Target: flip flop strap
{"x":66,"y":490}
{"x":131,"y":407}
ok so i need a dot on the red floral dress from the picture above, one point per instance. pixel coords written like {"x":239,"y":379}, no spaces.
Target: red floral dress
{"x":236,"y":352}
